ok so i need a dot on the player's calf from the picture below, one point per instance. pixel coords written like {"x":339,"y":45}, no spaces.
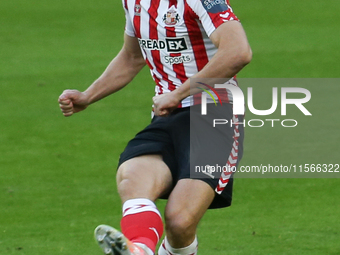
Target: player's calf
{"x":180,"y":228}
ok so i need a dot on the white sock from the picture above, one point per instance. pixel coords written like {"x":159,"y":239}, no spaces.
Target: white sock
{"x":166,"y":249}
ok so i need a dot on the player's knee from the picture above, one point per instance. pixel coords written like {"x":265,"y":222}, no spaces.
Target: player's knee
{"x":126,"y":180}
{"x":135,"y":180}
{"x":122,"y":173}
{"x":180,"y":224}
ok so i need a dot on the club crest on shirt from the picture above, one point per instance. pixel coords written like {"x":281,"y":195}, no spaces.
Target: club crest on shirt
{"x":171,"y":17}
{"x":137,"y":9}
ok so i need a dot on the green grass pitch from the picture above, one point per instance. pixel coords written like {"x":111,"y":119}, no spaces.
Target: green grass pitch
{"x":57,"y":175}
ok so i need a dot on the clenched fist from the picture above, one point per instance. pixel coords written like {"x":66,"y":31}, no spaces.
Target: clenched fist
{"x":72,"y":101}
{"x":164,"y":104}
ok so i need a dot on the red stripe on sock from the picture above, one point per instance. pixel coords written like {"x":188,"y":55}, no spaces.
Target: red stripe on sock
{"x":145,"y":227}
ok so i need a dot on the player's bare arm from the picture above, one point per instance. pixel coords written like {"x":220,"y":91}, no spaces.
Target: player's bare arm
{"x":122,"y":69}
{"x":233,"y":54}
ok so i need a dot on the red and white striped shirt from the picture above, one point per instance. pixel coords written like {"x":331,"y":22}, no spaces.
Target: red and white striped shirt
{"x":174,"y":37}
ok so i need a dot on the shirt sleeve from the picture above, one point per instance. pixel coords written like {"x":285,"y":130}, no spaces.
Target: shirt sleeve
{"x":212,"y":13}
{"x":129,"y":30}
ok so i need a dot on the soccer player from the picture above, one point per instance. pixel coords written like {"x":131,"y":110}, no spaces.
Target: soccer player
{"x":178,"y":40}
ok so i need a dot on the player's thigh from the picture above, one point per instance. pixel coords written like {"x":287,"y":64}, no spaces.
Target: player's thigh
{"x":145,"y":176}
{"x":187,"y":204}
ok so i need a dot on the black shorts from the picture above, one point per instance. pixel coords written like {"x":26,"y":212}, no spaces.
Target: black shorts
{"x":182,"y":146}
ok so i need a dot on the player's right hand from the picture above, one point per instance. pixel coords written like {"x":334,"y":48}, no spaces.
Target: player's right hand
{"x":72,"y":101}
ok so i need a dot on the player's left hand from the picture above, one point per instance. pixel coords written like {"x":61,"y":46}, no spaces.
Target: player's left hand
{"x":164,"y":104}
